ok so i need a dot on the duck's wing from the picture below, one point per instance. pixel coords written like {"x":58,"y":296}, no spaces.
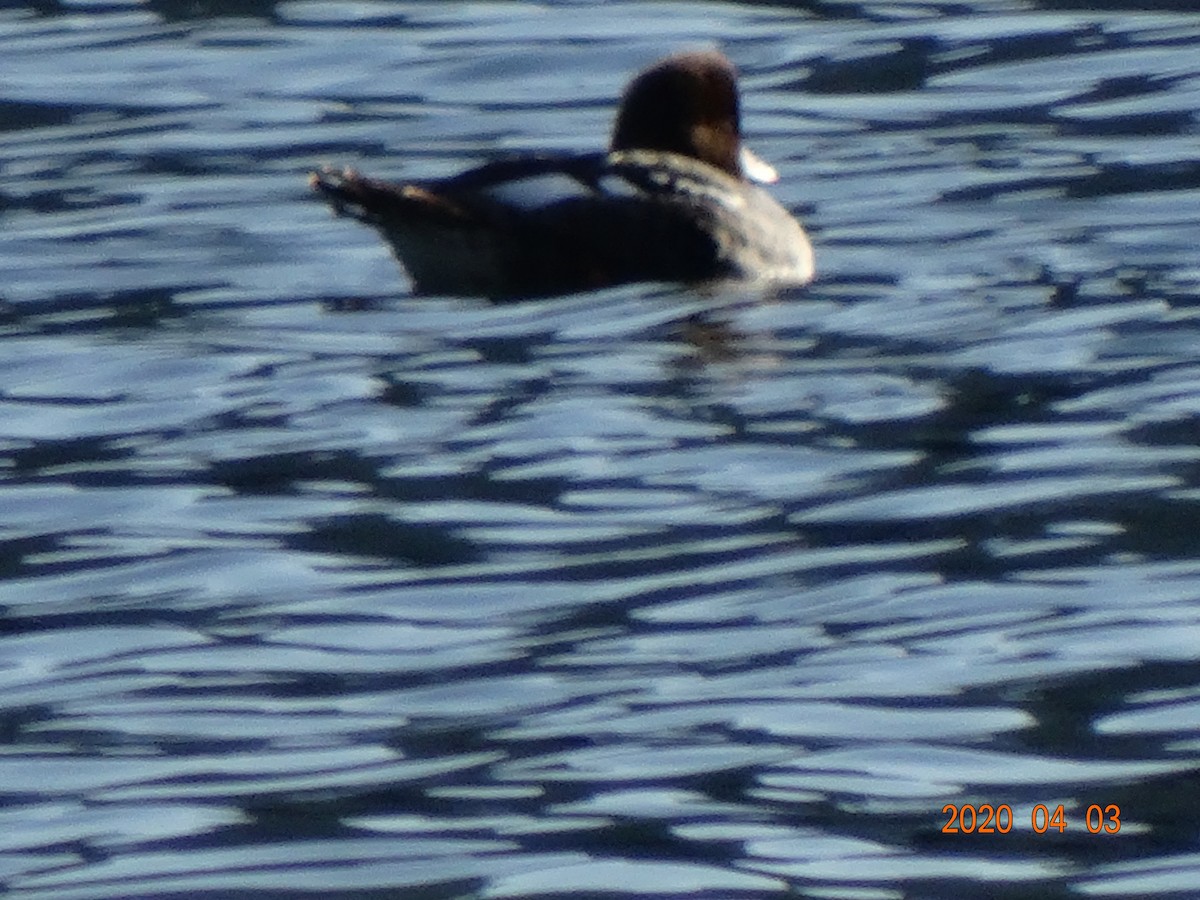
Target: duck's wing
{"x":528,"y":226}
{"x":476,"y":198}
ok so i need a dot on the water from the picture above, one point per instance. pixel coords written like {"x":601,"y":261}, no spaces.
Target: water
{"x":310,"y":587}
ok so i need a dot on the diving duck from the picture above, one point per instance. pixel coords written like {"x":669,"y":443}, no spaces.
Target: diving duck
{"x":671,"y":200}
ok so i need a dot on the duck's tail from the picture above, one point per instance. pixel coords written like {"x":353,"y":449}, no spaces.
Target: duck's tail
{"x":382,"y":202}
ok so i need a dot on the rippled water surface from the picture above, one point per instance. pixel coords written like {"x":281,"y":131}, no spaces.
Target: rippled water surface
{"x":313,"y":588}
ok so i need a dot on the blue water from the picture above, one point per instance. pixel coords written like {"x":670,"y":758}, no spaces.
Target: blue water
{"x":309,"y":587}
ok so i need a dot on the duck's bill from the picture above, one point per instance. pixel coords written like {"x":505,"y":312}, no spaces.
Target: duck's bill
{"x":757,"y":169}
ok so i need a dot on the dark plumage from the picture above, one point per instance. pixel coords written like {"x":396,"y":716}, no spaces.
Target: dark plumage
{"x":669,"y":202}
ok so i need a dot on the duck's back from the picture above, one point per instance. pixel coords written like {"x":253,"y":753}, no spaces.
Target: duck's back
{"x":547,"y":225}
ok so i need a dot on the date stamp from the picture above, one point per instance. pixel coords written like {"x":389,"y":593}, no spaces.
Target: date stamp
{"x":984,"y":818}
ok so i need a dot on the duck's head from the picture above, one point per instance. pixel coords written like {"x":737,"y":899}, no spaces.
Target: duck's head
{"x":687,"y":103}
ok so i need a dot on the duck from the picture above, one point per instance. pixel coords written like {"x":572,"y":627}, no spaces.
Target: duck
{"x":675,"y":198}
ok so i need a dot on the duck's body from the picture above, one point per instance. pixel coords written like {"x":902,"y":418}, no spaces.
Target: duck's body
{"x":669,"y":202}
